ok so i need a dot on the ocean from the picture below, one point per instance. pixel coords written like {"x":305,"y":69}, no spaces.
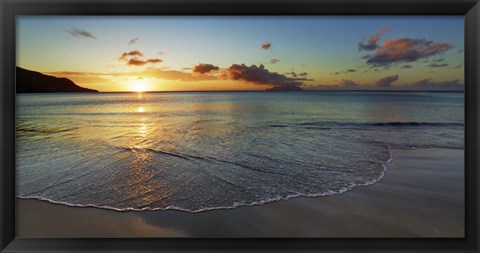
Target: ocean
{"x":198,"y":151}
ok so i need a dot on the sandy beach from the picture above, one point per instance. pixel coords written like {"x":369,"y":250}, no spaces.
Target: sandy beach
{"x":421,"y":195}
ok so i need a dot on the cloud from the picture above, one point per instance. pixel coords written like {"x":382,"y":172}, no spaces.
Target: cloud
{"x":344,"y":72}
{"x":274,"y":60}
{"x":428,"y":84}
{"x":133,"y":41}
{"x":134,"y":58}
{"x":460,"y":51}
{"x":458,"y":66}
{"x":81,"y":34}
{"x":436,"y":65}
{"x":261,"y":76}
{"x":406,"y":50}
{"x":406,"y":66}
{"x":302,"y":74}
{"x":266,"y":45}
{"x":137,"y":62}
{"x":386,"y":81}
{"x":154,"y":60}
{"x":345,"y":84}
{"x":371,"y":43}
{"x":203,"y":68}
{"x":348,"y":83}
{"x":126,"y":55}
{"x":439,"y":60}
{"x":386,"y":84}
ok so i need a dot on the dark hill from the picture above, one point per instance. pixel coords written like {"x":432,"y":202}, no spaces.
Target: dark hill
{"x":34,"y":82}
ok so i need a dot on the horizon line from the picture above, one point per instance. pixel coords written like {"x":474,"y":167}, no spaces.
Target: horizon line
{"x":333,"y":90}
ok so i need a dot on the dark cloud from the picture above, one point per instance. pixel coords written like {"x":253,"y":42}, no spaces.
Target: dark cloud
{"x":406,"y":50}
{"x":133,"y":41}
{"x":81,"y":34}
{"x":274,"y":60}
{"x":386,"y":81}
{"x":345,"y":71}
{"x":153,"y":60}
{"x":261,"y":76}
{"x":458,"y":66}
{"x":460,"y":51}
{"x":439,"y":60}
{"x":203,"y":68}
{"x":436,"y":65}
{"x":295,"y":74}
{"x":135,"y":62}
{"x":347,"y":83}
{"x":138,"y":62}
{"x":126,"y":55}
{"x":428,"y":84}
{"x":134,"y":58}
{"x":266,"y":45}
{"x":370,"y":43}
{"x":406,"y":66}
{"x":386,"y":84}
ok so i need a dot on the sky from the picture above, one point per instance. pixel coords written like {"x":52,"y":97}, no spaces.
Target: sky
{"x":181,"y":53}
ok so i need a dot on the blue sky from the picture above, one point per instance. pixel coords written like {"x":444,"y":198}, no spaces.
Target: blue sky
{"x":319,"y":46}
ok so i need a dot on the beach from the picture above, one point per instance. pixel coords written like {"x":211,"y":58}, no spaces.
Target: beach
{"x":421,"y":195}
{"x":320,"y":127}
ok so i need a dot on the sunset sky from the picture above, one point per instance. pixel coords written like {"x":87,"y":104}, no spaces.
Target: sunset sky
{"x":245,"y":53}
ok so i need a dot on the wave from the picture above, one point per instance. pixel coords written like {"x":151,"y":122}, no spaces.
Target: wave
{"x":416,"y":124}
{"x":234,"y":204}
{"x":363,"y":125}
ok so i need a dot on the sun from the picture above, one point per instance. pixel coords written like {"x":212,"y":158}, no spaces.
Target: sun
{"x":139,"y":85}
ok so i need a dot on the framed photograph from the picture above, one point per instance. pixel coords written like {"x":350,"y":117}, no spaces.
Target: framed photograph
{"x":239,"y":126}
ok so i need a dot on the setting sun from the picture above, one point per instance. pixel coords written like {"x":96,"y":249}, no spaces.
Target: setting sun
{"x":139,"y":86}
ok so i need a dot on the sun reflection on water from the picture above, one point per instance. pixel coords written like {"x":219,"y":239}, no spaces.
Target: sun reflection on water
{"x":143,"y":129}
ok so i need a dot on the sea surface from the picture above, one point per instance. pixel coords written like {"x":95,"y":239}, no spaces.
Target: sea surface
{"x":197,"y":151}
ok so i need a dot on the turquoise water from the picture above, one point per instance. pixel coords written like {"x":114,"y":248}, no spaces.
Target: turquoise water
{"x":197,"y":151}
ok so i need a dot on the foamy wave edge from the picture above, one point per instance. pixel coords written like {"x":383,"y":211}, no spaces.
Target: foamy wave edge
{"x":235,"y":204}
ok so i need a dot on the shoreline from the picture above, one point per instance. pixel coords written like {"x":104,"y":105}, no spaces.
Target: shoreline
{"x":391,"y":207}
{"x":261,"y":203}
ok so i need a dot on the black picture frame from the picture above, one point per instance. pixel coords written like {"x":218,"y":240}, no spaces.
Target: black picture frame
{"x":10,"y":8}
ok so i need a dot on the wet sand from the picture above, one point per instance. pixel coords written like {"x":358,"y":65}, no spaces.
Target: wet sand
{"x":421,"y":195}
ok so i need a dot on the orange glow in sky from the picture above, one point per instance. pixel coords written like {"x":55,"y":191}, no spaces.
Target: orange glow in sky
{"x":245,"y":53}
